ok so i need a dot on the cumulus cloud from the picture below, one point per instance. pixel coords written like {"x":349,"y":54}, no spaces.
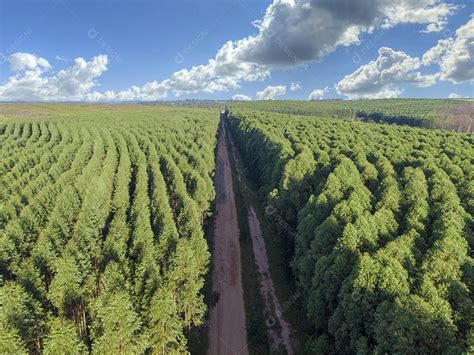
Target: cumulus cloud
{"x":222,"y":73}
{"x":151,"y":91}
{"x":455,"y":56}
{"x":434,"y":13}
{"x":295,"y":86}
{"x":270,"y":92}
{"x":379,"y":78}
{"x":434,"y":54}
{"x":76,"y":82}
{"x":453,"y":95}
{"x":318,"y":94}
{"x":290,"y":33}
{"x":31,"y":82}
{"x":240,"y":97}
{"x":293,"y":32}
{"x":26,"y":61}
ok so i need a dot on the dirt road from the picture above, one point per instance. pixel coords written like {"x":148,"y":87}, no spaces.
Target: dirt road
{"x":227,"y":334}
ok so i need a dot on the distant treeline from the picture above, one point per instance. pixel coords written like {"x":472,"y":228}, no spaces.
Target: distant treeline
{"x":427,"y":113}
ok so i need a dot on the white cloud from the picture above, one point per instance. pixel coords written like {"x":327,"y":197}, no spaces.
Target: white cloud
{"x":434,"y":13}
{"x":318,"y":94}
{"x":270,"y":92}
{"x":78,"y":79}
{"x":26,"y":61}
{"x":385,"y":93}
{"x":30,"y":83}
{"x":454,"y":96}
{"x":295,"y":86}
{"x":240,"y":97}
{"x":296,"y":31}
{"x":151,"y":91}
{"x":379,"y":78}
{"x":222,"y":73}
{"x":455,"y":56}
{"x":291,"y":32}
{"x":434,"y":54}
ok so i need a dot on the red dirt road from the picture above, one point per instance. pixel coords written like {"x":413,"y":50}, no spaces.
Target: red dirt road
{"x":227,"y":334}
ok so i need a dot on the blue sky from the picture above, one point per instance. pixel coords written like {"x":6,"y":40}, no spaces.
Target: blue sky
{"x":147,"y":41}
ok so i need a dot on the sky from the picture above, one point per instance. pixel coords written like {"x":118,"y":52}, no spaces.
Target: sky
{"x":147,"y":50}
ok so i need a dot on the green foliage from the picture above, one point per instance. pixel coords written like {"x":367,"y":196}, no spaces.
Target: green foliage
{"x":101,"y":242}
{"x":63,"y":338}
{"x":10,"y":342}
{"x":432,"y":113}
{"x":101,"y":211}
{"x":383,"y":217}
{"x":20,"y":316}
{"x":120,"y":326}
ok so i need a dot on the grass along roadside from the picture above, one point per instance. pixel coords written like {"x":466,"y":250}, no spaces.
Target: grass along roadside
{"x":280,"y":271}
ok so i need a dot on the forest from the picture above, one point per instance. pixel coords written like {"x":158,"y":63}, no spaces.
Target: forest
{"x":452,"y":114}
{"x":384,"y":216}
{"x":101,"y":241}
{"x":103,"y":208}
{"x":236,"y":177}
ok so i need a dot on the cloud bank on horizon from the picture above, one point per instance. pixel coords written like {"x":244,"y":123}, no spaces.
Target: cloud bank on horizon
{"x":290,"y":34}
